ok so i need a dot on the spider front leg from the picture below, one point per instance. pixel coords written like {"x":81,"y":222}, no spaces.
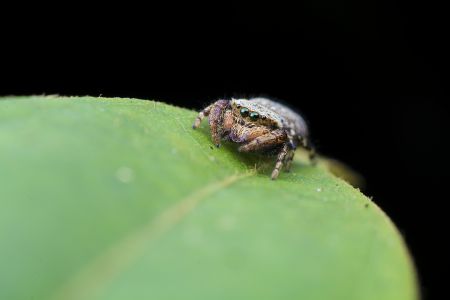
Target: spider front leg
{"x":201,"y":115}
{"x":271,"y":139}
{"x":215,"y":113}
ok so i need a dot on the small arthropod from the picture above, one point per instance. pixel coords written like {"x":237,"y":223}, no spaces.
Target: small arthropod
{"x":258,"y":124}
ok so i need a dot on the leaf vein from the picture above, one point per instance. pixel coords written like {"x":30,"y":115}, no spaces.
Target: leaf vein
{"x":97,"y":274}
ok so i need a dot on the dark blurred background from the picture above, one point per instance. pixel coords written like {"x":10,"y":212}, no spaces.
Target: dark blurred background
{"x":371,"y":77}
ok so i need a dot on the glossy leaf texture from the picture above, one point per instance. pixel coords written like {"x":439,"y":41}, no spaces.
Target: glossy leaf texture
{"x":121,"y":199}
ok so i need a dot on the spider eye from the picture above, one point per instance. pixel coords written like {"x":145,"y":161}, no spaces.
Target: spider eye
{"x":254,"y":116}
{"x":244,"y":112}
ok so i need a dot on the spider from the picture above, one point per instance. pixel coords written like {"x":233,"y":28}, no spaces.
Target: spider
{"x":258,"y":124}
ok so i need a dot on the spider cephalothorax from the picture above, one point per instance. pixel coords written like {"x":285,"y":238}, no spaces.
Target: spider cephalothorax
{"x":257,"y":124}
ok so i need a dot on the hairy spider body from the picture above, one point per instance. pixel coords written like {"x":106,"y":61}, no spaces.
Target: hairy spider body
{"x":258,"y":124}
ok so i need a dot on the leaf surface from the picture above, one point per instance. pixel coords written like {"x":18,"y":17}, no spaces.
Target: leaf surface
{"x":121,"y":199}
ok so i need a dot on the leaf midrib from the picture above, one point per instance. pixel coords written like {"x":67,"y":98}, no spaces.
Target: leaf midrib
{"x":92,"y":278}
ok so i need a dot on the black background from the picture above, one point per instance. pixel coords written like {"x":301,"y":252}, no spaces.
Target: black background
{"x":371,"y":79}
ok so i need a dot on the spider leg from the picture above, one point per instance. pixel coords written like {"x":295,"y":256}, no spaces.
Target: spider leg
{"x":201,"y":115}
{"x":216,"y":120}
{"x":288,"y":160}
{"x":293,"y":142}
{"x":311,"y":150}
{"x":273,"y":138}
{"x":280,"y":160}
{"x":215,"y":112}
{"x":270,"y":139}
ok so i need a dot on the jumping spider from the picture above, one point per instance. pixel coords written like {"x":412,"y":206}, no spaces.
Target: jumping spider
{"x":258,"y":124}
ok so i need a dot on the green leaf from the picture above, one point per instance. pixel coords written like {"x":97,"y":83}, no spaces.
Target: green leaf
{"x":121,"y":199}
